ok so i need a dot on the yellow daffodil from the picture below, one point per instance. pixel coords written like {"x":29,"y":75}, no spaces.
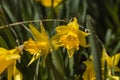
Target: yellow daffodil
{"x":48,"y":3}
{"x":8,"y":61}
{"x":70,"y":37}
{"x":41,"y":45}
{"x":89,"y":73}
{"x":111,"y":61}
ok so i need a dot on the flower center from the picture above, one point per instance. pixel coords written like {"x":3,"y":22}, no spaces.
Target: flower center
{"x":35,"y":47}
{"x":42,"y":45}
{"x":70,"y":41}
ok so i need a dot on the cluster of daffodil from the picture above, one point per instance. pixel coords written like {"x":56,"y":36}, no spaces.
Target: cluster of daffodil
{"x":68,"y":36}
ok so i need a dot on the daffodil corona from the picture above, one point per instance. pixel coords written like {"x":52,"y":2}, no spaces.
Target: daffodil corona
{"x":8,"y":61}
{"x":41,"y":45}
{"x":48,"y":3}
{"x":70,"y":37}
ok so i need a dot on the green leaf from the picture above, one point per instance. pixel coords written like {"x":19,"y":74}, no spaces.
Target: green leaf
{"x":7,"y":10}
{"x":3,"y":43}
{"x":95,"y":48}
{"x":10,"y":37}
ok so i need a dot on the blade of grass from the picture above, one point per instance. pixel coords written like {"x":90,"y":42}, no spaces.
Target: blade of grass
{"x":57,"y":74}
{"x":94,"y":48}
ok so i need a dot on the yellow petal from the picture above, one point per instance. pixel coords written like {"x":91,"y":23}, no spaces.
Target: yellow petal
{"x":14,"y":51}
{"x":10,"y":71}
{"x":111,"y":61}
{"x":4,"y":63}
{"x":43,"y":32}
{"x":62,"y":29}
{"x":104,"y":57}
{"x":48,"y":3}
{"x":83,"y":42}
{"x":73,"y":24}
{"x":34,"y":47}
{"x":116,"y":59}
{"x":82,"y":38}
{"x":17,"y":75}
{"x":113,"y":78}
{"x":3,"y":51}
{"x":31,"y":46}
{"x":13,"y":72}
{"x":36,"y":33}
{"x":55,"y":41}
{"x":7,"y":57}
{"x":89,"y":73}
{"x":13,"y":56}
{"x":35,"y":56}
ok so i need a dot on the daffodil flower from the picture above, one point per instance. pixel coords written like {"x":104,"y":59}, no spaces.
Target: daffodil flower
{"x":70,"y":37}
{"x":48,"y":3}
{"x":111,"y":61}
{"x":38,"y":47}
{"x":8,"y":61}
{"x":89,"y":73}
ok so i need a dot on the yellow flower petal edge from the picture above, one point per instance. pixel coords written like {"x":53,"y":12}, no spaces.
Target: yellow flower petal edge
{"x":48,"y":3}
{"x":40,"y":46}
{"x":115,"y":59}
{"x":70,"y":37}
{"x":14,"y":72}
{"x":36,"y":34}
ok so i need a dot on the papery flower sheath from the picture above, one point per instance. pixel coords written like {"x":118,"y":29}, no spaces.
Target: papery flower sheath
{"x":70,"y":37}
{"x":40,"y":46}
{"x":8,"y":61}
{"x":48,"y":3}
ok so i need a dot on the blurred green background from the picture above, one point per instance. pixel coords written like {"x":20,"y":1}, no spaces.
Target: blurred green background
{"x":105,"y":20}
